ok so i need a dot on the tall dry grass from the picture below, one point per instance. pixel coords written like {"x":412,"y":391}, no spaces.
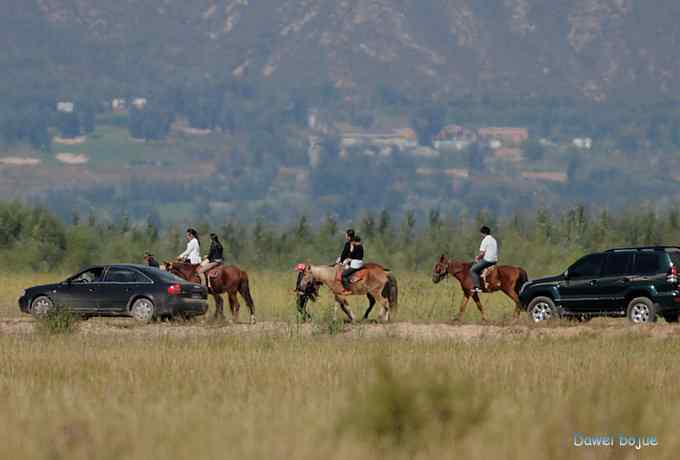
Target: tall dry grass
{"x":84,"y":397}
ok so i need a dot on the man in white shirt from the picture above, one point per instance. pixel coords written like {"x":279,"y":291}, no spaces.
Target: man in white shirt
{"x":488,"y":256}
{"x":193,"y":251}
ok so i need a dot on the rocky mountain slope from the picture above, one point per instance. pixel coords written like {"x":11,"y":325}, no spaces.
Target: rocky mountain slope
{"x":597,"y":49}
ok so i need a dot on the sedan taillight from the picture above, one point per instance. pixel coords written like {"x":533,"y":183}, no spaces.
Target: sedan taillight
{"x":174,"y":289}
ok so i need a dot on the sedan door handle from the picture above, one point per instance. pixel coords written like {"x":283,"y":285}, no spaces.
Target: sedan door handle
{"x":594,"y":283}
{"x":624,"y":280}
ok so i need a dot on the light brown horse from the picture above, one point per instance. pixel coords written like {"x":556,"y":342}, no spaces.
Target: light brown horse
{"x":223,"y":279}
{"x":373,"y":281}
{"x":506,"y":278}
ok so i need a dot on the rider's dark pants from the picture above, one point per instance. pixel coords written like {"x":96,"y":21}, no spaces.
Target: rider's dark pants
{"x":477,"y":269}
{"x":346,"y":275}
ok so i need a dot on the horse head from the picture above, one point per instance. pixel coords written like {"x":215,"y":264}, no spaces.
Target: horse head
{"x":440,"y":269}
{"x":305,"y":278}
{"x":181,"y":269}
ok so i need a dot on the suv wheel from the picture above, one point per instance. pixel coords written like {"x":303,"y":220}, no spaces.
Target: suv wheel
{"x":542,"y":309}
{"x":143,"y":310}
{"x":41,"y":306}
{"x":641,"y":310}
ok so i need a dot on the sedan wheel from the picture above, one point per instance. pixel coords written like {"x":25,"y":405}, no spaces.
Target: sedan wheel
{"x":143,"y":310}
{"x":41,"y":306}
{"x":542,"y":309}
{"x":641,"y":311}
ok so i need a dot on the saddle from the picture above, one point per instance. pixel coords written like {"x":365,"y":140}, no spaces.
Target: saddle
{"x":491,"y":281}
{"x":356,"y":276}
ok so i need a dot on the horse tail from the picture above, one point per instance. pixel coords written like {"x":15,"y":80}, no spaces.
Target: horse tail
{"x":391,"y":292}
{"x":521,"y":280}
{"x":244,"y":290}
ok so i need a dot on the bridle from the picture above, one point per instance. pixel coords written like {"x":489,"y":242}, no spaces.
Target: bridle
{"x":441,"y":275}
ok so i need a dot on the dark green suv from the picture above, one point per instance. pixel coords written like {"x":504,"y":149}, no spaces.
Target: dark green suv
{"x":639,"y":283}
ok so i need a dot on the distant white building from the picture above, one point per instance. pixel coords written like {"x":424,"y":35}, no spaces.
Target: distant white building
{"x":583,"y":143}
{"x":454,"y":137}
{"x":119,"y":105}
{"x":65,"y":107}
{"x":139,"y":103}
{"x":495,"y":144}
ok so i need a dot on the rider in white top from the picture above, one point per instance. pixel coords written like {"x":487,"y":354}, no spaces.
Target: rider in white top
{"x":489,"y":249}
{"x":488,"y":256}
{"x":193,"y":251}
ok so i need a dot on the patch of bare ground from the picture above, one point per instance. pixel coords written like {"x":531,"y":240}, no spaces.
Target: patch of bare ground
{"x":123,"y":327}
{"x":69,"y":141}
{"x":72,"y":158}
{"x":20,"y":161}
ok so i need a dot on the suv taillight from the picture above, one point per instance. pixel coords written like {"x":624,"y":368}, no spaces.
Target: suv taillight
{"x":673,"y":275}
{"x":174,"y":289}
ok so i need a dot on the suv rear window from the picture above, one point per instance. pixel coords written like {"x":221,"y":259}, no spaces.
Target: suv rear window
{"x":618,"y":264}
{"x":675,"y":257}
{"x":650,"y":263}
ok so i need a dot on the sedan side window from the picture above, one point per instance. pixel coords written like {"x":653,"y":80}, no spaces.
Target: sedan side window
{"x":588,"y":266}
{"x":93,"y":275}
{"x":121,"y":275}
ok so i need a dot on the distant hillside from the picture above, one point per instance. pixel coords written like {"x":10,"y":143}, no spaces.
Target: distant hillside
{"x":597,"y":49}
{"x":276,"y":109}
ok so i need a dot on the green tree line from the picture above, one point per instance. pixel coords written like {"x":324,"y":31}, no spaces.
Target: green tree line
{"x":33,"y":239}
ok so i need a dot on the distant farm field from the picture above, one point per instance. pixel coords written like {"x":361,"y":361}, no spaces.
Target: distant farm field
{"x":418,"y":388}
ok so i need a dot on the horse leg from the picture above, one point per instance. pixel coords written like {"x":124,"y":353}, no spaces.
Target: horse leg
{"x":345,"y":307}
{"x":515,"y":298}
{"x":463,"y":304}
{"x":233,"y":306}
{"x":371,"y":303}
{"x":219,"y":307}
{"x":385,"y":310}
{"x":244,"y":290}
{"x":475,"y":296}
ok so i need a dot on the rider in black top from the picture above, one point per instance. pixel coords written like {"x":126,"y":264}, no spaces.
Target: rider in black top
{"x":356,"y":261}
{"x":349,"y":236}
{"x":216,"y":252}
{"x":215,"y":258}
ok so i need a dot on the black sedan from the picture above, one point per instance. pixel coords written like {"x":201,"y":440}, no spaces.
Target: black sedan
{"x":145,"y":293}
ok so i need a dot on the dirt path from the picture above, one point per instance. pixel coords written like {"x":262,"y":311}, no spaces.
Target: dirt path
{"x":106,"y":327}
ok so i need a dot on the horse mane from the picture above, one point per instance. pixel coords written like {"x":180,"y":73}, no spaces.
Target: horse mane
{"x":323,"y":272}
{"x":464,"y":266}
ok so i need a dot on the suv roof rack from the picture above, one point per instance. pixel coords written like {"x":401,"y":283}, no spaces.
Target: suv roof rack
{"x":645,"y":248}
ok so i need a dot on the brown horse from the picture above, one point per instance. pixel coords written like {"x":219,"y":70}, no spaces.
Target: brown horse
{"x":223,"y":279}
{"x":506,"y":278}
{"x":373,"y":281}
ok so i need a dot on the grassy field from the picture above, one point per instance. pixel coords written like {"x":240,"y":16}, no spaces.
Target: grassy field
{"x":327,"y":397}
{"x":420,"y":299}
{"x":310,"y":396}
